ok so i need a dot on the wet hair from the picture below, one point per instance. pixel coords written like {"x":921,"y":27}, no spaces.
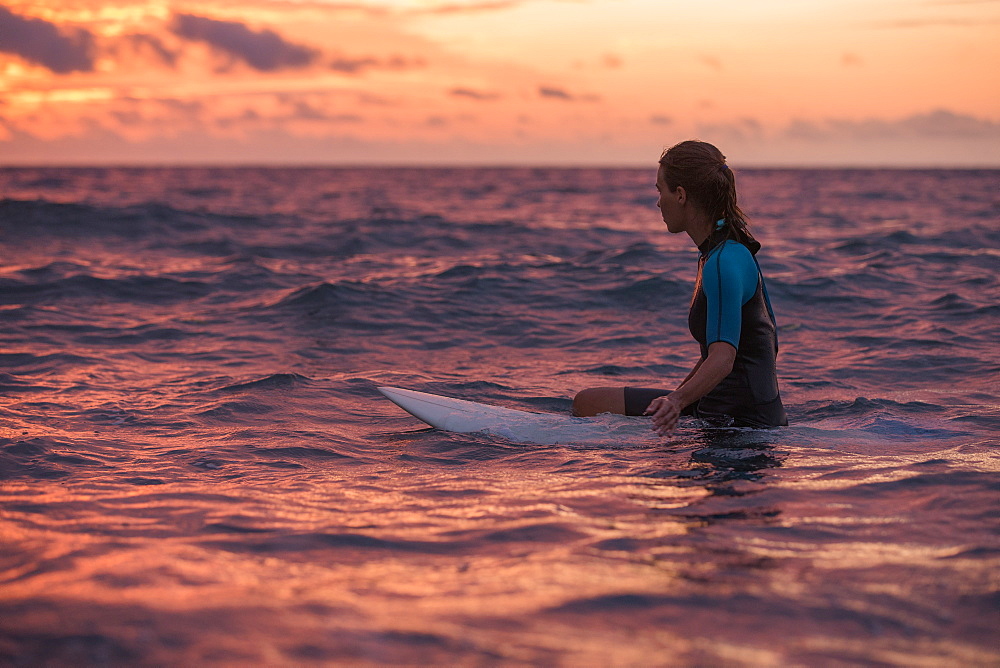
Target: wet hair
{"x":701,"y":168}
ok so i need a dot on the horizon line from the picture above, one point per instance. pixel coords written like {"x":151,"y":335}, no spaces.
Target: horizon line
{"x":483,"y":165}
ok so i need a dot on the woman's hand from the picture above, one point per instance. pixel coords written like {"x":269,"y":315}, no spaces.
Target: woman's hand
{"x":707,"y":373}
{"x":665,"y":411}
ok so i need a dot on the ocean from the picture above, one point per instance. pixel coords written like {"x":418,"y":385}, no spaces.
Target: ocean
{"x":196,"y":467}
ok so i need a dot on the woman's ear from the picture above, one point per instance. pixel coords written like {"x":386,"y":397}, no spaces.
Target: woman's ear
{"x":680,"y":194}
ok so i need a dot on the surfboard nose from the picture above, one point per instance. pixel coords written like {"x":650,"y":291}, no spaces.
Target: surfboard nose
{"x":394,"y":393}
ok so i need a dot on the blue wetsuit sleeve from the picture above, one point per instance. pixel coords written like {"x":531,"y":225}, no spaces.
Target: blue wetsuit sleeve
{"x":729,"y":279}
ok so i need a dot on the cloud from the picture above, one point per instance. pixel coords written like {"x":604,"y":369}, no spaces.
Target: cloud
{"x":140,"y":43}
{"x":264,"y":51}
{"x":472,"y":94}
{"x":553,"y":93}
{"x":304,"y":111}
{"x":658,"y":119}
{"x":938,"y":124}
{"x":41,"y":42}
{"x":944,"y":123}
{"x":941,"y":138}
{"x":355,"y":65}
{"x":267,"y":51}
{"x":352,"y":65}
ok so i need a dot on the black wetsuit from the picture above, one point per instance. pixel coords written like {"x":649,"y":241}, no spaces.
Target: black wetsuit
{"x":735,"y":310}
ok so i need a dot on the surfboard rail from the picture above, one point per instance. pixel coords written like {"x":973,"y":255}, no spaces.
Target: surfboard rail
{"x":464,"y":416}
{"x":458,"y":415}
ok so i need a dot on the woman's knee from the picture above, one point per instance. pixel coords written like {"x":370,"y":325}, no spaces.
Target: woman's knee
{"x":596,"y":400}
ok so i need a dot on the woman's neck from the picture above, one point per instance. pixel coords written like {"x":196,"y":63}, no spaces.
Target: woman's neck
{"x":699,"y":228}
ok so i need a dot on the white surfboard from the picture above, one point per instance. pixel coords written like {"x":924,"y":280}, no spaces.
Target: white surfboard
{"x":465,"y":417}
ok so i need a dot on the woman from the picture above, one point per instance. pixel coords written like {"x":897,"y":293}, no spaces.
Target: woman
{"x":735,"y":381}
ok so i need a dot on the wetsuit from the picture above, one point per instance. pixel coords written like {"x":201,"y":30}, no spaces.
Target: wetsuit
{"x":730,"y":304}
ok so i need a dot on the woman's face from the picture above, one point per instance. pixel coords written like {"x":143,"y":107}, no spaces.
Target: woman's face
{"x":670,"y":203}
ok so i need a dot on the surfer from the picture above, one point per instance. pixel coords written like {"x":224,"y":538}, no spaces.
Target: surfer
{"x":734,"y":382}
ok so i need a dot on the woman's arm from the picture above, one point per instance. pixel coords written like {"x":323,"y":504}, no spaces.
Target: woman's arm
{"x":708,"y":373}
{"x":691,"y":374}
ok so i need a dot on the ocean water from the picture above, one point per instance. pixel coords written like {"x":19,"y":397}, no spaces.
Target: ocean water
{"x":196,"y":467}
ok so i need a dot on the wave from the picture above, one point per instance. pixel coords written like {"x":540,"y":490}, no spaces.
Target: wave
{"x":24,"y":363}
{"x":149,"y":289}
{"x":44,"y":458}
{"x":278,"y":381}
{"x":30,"y":219}
{"x":13,"y":384}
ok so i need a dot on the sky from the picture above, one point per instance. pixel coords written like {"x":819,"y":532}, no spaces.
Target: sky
{"x":907,"y":83}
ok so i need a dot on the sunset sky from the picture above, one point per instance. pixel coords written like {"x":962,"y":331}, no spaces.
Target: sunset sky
{"x":772,"y":82}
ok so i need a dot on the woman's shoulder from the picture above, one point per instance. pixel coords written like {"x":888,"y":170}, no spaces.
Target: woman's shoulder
{"x":730,"y":250}
{"x":732,"y":257}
